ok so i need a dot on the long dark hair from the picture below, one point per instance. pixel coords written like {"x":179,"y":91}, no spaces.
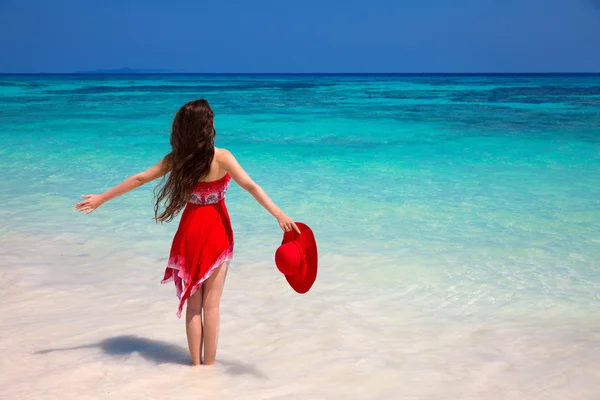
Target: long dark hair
{"x":193,"y":149}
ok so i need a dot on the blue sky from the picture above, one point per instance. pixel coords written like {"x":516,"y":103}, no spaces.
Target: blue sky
{"x":309,"y":36}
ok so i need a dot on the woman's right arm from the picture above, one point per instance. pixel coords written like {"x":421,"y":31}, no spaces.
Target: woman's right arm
{"x":93,"y":201}
{"x":243,"y":179}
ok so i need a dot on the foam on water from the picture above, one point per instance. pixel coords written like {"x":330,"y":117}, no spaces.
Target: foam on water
{"x":458,"y":222}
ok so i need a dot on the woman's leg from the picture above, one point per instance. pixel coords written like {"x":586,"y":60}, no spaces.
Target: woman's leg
{"x":213,"y":288}
{"x":193,"y":326}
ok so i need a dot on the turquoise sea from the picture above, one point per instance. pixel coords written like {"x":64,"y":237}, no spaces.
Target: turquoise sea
{"x":457,"y":219}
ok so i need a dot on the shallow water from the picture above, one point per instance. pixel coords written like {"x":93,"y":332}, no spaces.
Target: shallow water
{"x":458,"y":223}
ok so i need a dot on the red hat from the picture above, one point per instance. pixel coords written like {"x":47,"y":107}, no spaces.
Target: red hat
{"x":297,"y":258}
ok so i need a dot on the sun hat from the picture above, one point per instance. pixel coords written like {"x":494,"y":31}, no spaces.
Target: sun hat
{"x":297,"y":258}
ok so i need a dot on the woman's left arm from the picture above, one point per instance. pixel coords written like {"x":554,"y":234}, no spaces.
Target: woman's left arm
{"x":93,"y":201}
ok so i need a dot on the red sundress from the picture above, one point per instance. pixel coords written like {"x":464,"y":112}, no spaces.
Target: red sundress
{"x":204,"y":239}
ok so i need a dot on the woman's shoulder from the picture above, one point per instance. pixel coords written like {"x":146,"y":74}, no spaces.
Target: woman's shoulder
{"x":222,"y":155}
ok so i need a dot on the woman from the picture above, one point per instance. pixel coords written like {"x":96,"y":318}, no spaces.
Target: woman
{"x":198,"y":178}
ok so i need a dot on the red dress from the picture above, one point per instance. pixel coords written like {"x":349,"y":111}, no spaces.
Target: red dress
{"x":204,"y":239}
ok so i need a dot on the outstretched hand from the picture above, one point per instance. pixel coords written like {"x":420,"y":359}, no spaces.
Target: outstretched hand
{"x":91,"y":202}
{"x":287,"y":224}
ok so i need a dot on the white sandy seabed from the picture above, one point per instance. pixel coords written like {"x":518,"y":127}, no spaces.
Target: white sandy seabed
{"x":86,"y":318}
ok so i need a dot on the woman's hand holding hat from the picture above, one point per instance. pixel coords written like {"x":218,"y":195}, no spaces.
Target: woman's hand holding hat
{"x":287,"y":224}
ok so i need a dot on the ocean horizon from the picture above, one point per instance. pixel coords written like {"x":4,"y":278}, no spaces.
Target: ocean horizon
{"x":457,"y":218}
{"x":142,"y":72}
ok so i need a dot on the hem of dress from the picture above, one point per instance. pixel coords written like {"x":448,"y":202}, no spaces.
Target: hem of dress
{"x":226,"y":255}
